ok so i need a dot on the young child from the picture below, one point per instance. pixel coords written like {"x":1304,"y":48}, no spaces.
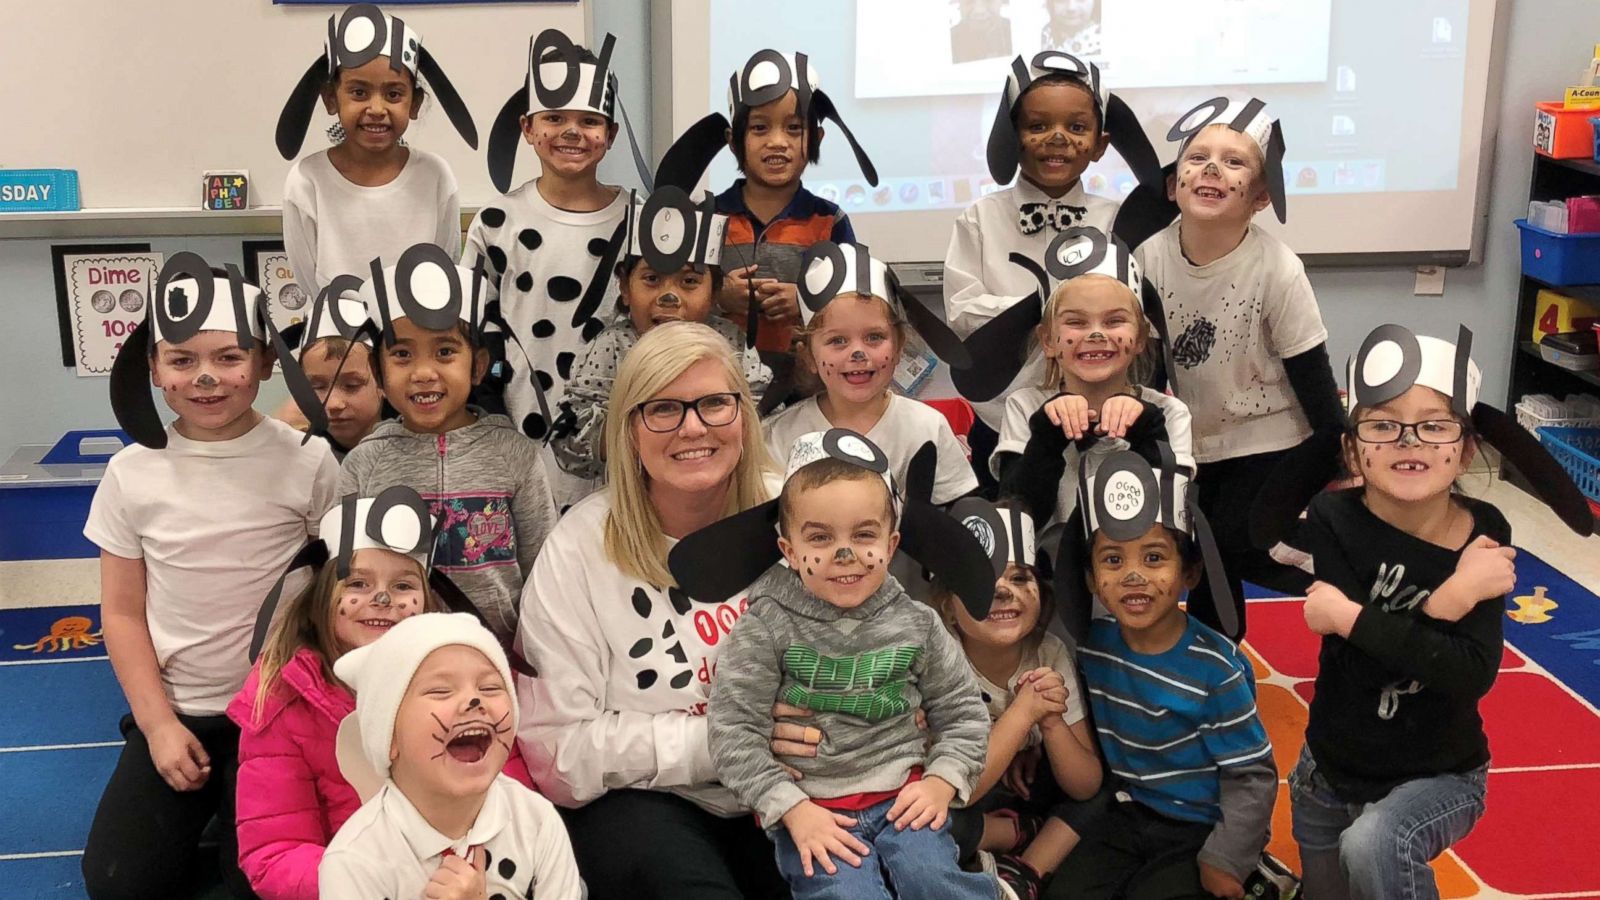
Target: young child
{"x":1173,"y":701}
{"x":1411,"y":577}
{"x":834,"y":633}
{"x":194,"y":524}
{"x":1093,"y":333}
{"x":434,"y":723}
{"x":1028,"y":679}
{"x":1248,"y":343}
{"x":337,"y":360}
{"x":774,"y":130}
{"x":853,"y":315}
{"x":1055,"y":118}
{"x":684,"y":292}
{"x":291,"y":796}
{"x":550,"y":246}
{"x":369,"y":194}
{"x":484,"y":477}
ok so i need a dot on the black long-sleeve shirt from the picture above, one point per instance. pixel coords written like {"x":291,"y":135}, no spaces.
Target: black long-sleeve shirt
{"x":1398,"y":699}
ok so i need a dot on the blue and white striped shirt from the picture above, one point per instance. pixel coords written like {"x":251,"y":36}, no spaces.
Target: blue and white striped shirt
{"x":1169,"y":723}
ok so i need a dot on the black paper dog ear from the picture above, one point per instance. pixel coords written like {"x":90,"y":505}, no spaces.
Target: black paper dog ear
{"x":826,"y":110}
{"x":646,"y":177}
{"x":295,"y":334}
{"x":724,"y":558}
{"x":1155,"y":312}
{"x":945,"y":547}
{"x":1130,"y":142}
{"x":1221,"y":592}
{"x":999,"y":348}
{"x":922,"y":473}
{"x":1074,"y":600}
{"x":505,"y":136}
{"x":313,"y":555}
{"x":456,"y":600}
{"x":1300,"y":475}
{"x":932,"y":327}
{"x":1146,"y":210}
{"x":295,"y":119}
{"x":294,"y":377}
{"x":1550,"y":482}
{"x":131,"y":400}
{"x":1274,"y":159}
{"x":686,"y":161}
{"x":454,"y":107}
{"x":1003,"y":150}
{"x":600,"y":284}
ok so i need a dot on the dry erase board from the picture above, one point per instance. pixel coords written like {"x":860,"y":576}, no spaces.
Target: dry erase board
{"x":142,"y":98}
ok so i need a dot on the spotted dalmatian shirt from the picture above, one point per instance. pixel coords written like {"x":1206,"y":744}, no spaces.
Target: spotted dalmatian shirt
{"x":625,"y":673}
{"x":545,"y":274}
{"x":1233,"y":322}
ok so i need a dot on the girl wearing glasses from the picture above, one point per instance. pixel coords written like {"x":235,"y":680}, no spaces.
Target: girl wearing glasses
{"x":1411,"y":576}
{"x":614,"y":727}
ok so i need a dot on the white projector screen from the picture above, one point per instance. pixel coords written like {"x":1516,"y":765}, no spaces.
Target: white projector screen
{"x":1383,"y":103}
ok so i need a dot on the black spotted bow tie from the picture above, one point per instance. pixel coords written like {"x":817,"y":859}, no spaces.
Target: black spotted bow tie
{"x":1058,"y":215}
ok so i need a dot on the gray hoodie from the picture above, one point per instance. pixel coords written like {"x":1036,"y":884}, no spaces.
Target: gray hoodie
{"x":864,"y":673}
{"x":488,"y":481}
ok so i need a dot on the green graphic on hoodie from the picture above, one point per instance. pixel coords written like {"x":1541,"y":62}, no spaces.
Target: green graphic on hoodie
{"x":868,"y":685}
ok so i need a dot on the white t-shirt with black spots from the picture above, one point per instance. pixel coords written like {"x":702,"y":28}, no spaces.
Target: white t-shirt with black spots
{"x":332,"y":226}
{"x":1233,"y":322}
{"x":1050,"y":653}
{"x":905,"y":426}
{"x":388,"y":850}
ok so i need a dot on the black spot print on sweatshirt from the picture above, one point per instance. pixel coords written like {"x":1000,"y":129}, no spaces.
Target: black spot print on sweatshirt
{"x":1193,"y":346}
{"x":670,"y":655}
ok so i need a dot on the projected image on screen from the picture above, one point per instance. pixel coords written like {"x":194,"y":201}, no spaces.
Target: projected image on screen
{"x":1369,"y":91}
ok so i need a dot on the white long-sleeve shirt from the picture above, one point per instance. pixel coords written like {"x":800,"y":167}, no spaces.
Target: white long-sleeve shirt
{"x":981,"y":281}
{"x":624,"y":674}
{"x":334,"y":227}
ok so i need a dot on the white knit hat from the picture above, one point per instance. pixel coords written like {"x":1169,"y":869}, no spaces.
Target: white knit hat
{"x":381,"y":672}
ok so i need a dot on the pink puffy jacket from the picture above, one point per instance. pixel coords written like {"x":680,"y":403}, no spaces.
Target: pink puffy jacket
{"x":291,"y":796}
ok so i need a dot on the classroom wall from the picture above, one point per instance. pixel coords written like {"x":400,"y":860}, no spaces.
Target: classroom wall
{"x":1545,"y":47}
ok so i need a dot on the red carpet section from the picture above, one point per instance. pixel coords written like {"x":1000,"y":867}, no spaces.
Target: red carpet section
{"x":1541,"y":834}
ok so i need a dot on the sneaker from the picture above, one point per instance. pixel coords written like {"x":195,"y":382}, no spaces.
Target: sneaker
{"x":1022,"y":879}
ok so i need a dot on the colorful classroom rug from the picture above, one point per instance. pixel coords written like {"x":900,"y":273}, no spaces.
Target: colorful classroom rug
{"x":1540,"y":833}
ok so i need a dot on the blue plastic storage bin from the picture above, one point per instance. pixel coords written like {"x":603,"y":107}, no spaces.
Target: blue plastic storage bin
{"x":1596,"y":123}
{"x":45,"y":492}
{"x":1559,"y":259}
{"x":1576,"y":449}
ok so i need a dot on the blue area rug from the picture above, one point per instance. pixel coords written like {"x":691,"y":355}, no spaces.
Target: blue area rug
{"x":1555,"y":622}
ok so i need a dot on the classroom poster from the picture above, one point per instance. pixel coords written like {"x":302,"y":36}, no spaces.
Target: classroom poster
{"x":267,"y":265}
{"x":104,"y":294}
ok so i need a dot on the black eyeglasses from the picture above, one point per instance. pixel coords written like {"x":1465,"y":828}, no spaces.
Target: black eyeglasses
{"x":666,"y":416}
{"x":1388,"y":431}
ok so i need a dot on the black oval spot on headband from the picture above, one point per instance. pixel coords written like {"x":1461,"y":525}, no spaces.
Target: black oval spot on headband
{"x":554,"y":42}
{"x":1215,"y":107}
{"x":440,"y":318}
{"x":692,"y":240}
{"x":347,"y":57}
{"x":1370,"y":394}
{"x":398,"y":496}
{"x":1126,"y":485}
{"x":178,"y":315}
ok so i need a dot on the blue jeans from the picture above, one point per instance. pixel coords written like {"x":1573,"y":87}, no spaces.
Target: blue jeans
{"x":920,"y":864}
{"x":1381,"y":850}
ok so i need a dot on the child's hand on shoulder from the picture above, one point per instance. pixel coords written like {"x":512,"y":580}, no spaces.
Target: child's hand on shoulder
{"x":1329,"y":611}
{"x":458,"y":879}
{"x":1070,"y":413}
{"x":780,"y":301}
{"x":1485,"y":571}
{"x":923,"y":802}
{"x":1118,"y":414}
{"x":819,"y":832}
{"x":1218,"y":883}
{"x":179,"y":756}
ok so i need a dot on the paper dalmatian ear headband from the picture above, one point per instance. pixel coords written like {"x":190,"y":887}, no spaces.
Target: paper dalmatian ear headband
{"x":1116,"y":117}
{"x":766,"y":77}
{"x":828,"y":270}
{"x":669,"y":231}
{"x":1002,"y":345}
{"x":427,"y":286}
{"x":558,"y":78}
{"x":397,"y":520}
{"x":721,"y":560}
{"x":1392,"y":359}
{"x":338,"y":312}
{"x":1248,"y":117}
{"x":191,"y":297}
{"x":1005,"y":534}
{"x":356,"y":37}
{"x":1124,"y":498}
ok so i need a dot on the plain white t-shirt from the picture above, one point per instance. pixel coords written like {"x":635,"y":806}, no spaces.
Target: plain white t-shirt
{"x":1014,"y":434}
{"x":332,"y":226}
{"x":902,"y":430}
{"x":216,"y":523}
{"x":387,"y":850}
{"x":1232,"y":322}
